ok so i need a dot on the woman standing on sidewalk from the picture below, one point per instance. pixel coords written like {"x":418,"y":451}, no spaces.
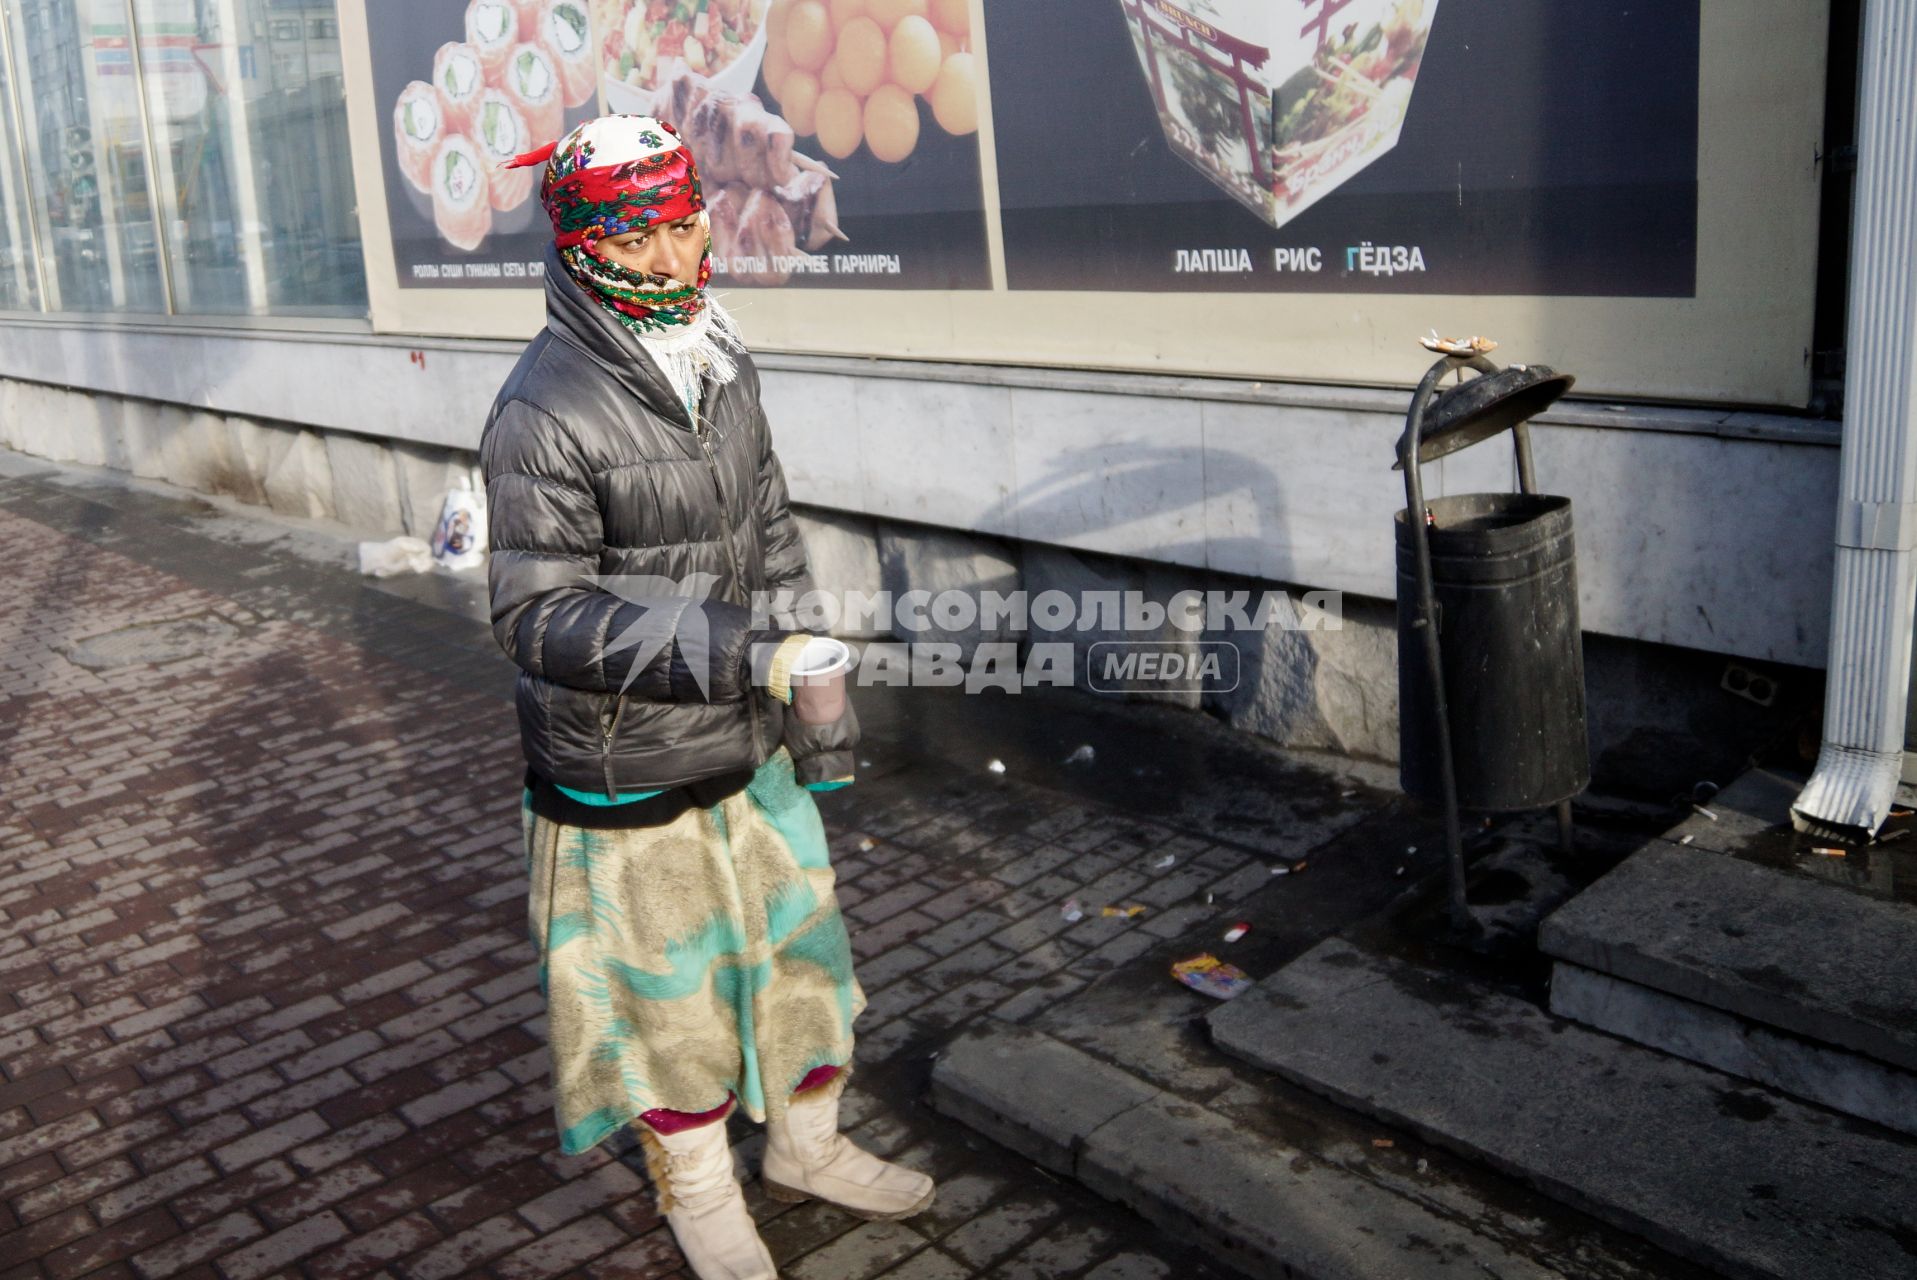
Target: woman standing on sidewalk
{"x":691,"y":947}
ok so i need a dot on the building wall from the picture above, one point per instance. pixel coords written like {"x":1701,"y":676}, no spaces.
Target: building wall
{"x":1708,"y":529}
{"x":1660,"y":717}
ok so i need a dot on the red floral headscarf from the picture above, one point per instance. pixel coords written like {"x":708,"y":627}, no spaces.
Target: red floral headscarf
{"x":615,"y":175}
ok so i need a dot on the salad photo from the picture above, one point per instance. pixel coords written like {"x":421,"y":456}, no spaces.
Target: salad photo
{"x":639,"y":38}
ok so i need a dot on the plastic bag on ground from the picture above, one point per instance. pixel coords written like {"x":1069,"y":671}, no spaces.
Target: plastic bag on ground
{"x":459,"y":540}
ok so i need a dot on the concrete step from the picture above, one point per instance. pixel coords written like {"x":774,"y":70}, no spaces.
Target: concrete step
{"x":1804,"y":986}
{"x":1744,"y":1180}
{"x":1846,"y":1082}
{"x":1269,"y":1206}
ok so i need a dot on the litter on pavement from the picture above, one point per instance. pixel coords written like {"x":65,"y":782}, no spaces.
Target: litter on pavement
{"x":1210,"y":976}
{"x":394,"y":556}
{"x":995,"y":766}
{"x":1237,"y":931}
{"x":1129,"y":912}
{"x":867,"y":844}
{"x":1071,"y":911}
{"x":1827,"y":851}
{"x":1164,"y":863}
{"x":1083,"y":755}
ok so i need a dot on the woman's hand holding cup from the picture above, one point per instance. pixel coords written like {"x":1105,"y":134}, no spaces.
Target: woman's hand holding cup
{"x":818,"y":680}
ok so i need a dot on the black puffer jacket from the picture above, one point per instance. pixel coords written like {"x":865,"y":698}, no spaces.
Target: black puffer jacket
{"x":592,"y":468}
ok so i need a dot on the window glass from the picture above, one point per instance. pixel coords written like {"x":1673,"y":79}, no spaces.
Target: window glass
{"x":247,"y":106}
{"x":84,"y":148}
{"x":19,"y":287}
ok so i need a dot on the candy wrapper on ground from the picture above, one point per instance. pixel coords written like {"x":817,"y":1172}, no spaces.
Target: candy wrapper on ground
{"x":1208,"y":975}
{"x":1280,"y":102}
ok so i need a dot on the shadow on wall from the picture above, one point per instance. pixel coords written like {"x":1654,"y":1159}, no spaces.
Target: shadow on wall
{"x":1308,"y":679}
{"x":1659,"y":718}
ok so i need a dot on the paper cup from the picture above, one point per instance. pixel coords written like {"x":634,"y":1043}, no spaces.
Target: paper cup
{"x":821,"y":658}
{"x":818,"y":680}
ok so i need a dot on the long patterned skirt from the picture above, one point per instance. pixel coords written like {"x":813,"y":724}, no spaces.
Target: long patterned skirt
{"x":689,"y":961}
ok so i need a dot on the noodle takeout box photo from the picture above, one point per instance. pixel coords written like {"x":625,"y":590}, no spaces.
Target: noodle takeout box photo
{"x":1280,"y":102}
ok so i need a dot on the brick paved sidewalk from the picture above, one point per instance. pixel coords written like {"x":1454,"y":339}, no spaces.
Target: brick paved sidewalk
{"x":266,"y":1002}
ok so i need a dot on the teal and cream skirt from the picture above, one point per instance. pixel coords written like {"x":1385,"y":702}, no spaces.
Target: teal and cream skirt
{"x":685,"y":962}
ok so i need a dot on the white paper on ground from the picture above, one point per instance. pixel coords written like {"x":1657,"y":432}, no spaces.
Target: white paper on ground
{"x":396,"y":555}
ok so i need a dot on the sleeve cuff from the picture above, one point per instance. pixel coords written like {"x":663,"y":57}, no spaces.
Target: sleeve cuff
{"x":784,"y":658}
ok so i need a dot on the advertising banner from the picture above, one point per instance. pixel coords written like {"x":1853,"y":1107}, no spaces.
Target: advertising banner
{"x":1264,"y":189}
{"x":838,"y":144}
{"x":1403,"y":146}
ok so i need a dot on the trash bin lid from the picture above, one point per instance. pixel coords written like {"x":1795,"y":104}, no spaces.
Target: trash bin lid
{"x":1480,"y":408}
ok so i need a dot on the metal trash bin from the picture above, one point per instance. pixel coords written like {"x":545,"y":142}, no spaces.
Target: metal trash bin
{"x":1490,"y":655}
{"x":1504,"y":572}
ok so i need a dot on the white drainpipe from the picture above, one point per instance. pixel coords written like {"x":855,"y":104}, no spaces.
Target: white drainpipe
{"x":1876,"y":581}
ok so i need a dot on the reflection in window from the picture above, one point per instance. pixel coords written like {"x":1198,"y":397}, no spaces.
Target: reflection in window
{"x":250,"y":155}
{"x":19,"y":288}
{"x":80,"y":118}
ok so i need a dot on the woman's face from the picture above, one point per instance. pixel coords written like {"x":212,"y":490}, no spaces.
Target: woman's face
{"x":670,"y":249}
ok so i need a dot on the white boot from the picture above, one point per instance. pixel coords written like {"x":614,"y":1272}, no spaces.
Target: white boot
{"x":703,"y":1203}
{"x":806,"y":1157}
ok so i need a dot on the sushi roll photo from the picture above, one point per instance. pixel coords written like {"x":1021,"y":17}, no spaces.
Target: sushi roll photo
{"x":565,"y":30}
{"x":416,"y":133}
{"x":530,"y":12}
{"x":502,"y":91}
{"x":460,"y":79}
{"x":532,"y":81}
{"x":462,"y":197}
{"x":500,"y":130}
{"x":492,"y":28}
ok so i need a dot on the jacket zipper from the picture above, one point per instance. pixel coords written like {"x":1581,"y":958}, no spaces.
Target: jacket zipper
{"x":612,"y":729}
{"x":702,"y":432}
